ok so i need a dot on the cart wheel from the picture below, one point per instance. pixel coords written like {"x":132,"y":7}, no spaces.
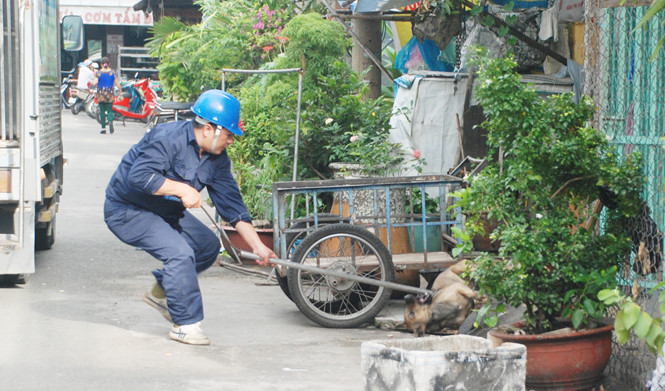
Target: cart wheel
{"x":331,"y":301}
{"x":293,"y":239}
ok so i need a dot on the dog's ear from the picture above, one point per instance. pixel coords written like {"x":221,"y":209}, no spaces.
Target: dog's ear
{"x":425,"y":299}
{"x":410,"y":299}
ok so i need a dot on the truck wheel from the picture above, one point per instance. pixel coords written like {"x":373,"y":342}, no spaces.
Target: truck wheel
{"x":45,"y":237}
{"x":13,"y":279}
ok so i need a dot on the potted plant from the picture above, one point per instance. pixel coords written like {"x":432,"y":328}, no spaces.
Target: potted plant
{"x":541,"y":196}
{"x":415,"y":207}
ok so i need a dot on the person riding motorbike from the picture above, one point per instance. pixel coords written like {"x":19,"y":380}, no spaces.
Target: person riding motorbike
{"x":178,"y":159}
{"x":85,"y":76}
{"x":81,"y":91}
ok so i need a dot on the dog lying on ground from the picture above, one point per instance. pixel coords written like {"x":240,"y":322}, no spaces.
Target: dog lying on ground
{"x":447,"y":308}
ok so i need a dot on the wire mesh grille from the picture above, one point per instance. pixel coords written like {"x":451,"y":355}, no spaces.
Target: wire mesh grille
{"x":629,"y":91}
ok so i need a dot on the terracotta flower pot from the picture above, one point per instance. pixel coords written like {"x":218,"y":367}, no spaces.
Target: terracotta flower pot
{"x":563,"y":361}
{"x":265,"y":234}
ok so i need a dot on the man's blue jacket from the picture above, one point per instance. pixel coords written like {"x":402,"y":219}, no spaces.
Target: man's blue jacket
{"x":170,"y":151}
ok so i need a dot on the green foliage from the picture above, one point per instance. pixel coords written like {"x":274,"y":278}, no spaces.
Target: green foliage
{"x":541,"y":197}
{"x":630,"y":317}
{"x":358,"y":133}
{"x":444,"y":7}
{"x":431,"y":204}
{"x":255,"y":180}
{"x":334,"y":108}
{"x":250,"y":34}
{"x":191,"y":57}
{"x":317,"y":41}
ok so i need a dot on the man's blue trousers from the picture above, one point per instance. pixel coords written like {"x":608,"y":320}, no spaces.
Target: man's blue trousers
{"x":185,"y":246}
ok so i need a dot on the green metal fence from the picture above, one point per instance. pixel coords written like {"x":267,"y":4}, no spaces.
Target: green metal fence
{"x":629,"y":91}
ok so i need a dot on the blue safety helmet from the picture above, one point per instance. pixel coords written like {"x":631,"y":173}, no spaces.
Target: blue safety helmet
{"x":220,"y":108}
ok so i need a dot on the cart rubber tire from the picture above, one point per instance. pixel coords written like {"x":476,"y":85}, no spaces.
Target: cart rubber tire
{"x":338,"y":303}
{"x":291,"y":238}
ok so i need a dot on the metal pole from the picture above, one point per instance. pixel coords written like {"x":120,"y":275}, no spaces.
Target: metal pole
{"x":295,"y":151}
{"x":335,"y":273}
{"x":327,"y":272}
{"x":251,"y":71}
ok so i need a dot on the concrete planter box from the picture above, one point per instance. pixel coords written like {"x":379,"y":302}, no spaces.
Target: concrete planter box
{"x":456,"y":362}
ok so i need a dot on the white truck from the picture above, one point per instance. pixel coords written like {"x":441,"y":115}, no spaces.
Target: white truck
{"x":31,"y":152}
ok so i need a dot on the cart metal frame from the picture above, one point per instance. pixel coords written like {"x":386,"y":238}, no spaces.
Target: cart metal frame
{"x":383,"y":216}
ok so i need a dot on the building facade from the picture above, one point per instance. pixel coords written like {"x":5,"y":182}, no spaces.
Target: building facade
{"x":113,"y":28}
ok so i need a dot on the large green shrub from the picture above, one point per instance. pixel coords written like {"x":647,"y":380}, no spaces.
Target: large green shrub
{"x":540,"y":197}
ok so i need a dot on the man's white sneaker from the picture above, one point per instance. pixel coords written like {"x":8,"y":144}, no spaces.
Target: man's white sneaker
{"x":189,"y":333}
{"x":158,"y":304}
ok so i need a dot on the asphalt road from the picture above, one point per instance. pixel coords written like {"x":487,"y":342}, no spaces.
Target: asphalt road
{"x":80,"y":323}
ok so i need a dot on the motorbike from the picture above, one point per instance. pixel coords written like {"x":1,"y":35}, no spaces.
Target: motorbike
{"x":166,"y":111}
{"x":65,"y":92}
{"x":136,"y":102}
{"x":84,"y":97}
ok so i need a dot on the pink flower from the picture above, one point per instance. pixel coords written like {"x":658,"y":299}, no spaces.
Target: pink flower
{"x":416,"y":154}
{"x":258,"y":26}
{"x":354,"y":138}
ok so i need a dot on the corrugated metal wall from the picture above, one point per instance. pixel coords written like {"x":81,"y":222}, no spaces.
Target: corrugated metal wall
{"x":10,"y":81}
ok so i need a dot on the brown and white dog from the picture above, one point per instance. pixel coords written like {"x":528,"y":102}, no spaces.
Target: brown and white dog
{"x":447,"y":308}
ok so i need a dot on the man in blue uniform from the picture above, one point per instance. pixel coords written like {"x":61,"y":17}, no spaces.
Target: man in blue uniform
{"x":178,"y":159}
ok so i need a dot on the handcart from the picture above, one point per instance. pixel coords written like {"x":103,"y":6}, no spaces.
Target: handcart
{"x":339,"y":266}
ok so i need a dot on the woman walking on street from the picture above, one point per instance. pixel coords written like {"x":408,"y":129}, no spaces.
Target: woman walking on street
{"x":105,"y":80}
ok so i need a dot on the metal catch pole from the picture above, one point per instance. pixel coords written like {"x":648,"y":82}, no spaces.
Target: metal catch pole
{"x":342,"y":275}
{"x":327,"y":272}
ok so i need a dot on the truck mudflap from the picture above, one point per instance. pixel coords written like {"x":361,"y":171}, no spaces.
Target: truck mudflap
{"x":14,"y":257}
{"x":46,"y":211}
